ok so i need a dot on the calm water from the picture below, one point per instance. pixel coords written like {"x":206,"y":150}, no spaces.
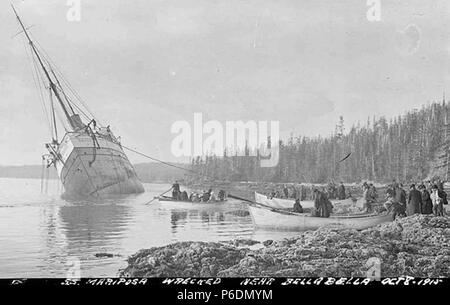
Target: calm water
{"x":42,"y":235}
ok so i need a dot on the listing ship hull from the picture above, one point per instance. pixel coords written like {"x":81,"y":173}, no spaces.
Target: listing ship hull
{"x":89,"y":159}
{"x":98,"y":167}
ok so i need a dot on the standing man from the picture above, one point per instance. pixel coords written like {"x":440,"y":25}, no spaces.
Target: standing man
{"x":373,"y":192}
{"x":414,"y":201}
{"x":367,"y":198}
{"x":302,"y":192}
{"x":427,"y":205}
{"x":286,"y":191}
{"x":341,"y":191}
{"x":320,"y":204}
{"x":438,"y":207}
{"x":400,"y":196}
{"x":294,"y":193}
{"x":175,"y":190}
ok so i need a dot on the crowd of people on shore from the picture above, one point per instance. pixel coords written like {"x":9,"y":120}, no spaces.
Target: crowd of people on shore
{"x":307,"y":192}
{"x":426,"y":198}
{"x":204,"y":196}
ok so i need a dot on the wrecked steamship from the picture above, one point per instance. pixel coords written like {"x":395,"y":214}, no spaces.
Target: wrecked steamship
{"x":89,"y":158}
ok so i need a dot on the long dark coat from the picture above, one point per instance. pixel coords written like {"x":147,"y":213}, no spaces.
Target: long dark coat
{"x":414,"y":202}
{"x":400,"y":196}
{"x":341,"y":192}
{"x":321,"y":206}
{"x":427,"y":205}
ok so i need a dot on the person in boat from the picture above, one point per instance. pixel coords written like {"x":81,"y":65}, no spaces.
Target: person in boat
{"x":302,"y":192}
{"x":176,"y":190}
{"x":221,"y":195}
{"x":297,"y":206}
{"x":212,"y":197}
{"x":438,"y":207}
{"x":334,"y":191}
{"x":329,"y":190}
{"x":367,"y":198}
{"x":426,"y":206}
{"x":414,"y":201}
{"x":195,"y":197}
{"x":373,"y":192}
{"x":206,"y":195}
{"x":315,"y":211}
{"x":277,"y":194}
{"x":202,"y":195}
{"x":272,"y":194}
{"x":285,"y":191}
{"x":329,"y":207}
{"x":341,"y":191}
{"x":294,"y":193}
{"x":321,"y":204}
{"x":184,"y":196}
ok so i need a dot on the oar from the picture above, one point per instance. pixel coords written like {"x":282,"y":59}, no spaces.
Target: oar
{"x":257,"y":203}
{"x":159,"y":196}
{"x":240,"y":198}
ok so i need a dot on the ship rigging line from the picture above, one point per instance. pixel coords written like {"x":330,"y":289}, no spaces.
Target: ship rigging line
{"x":37,"y":84}
{"x":38,"y":57}
{"x":51,"y":63}
{"x":160,"y":161}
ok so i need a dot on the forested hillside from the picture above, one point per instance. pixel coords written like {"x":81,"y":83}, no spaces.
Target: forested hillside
{"x":408,"y":147}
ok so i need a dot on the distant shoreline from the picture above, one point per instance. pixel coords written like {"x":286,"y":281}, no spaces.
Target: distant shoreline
{"x":147,"y":172}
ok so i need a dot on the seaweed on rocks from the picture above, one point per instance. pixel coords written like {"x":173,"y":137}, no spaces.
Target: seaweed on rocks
{"x":415,"y":246}
{"x":184,"y":259}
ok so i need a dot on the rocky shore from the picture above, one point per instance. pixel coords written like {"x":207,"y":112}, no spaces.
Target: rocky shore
{"x":417,"y":246}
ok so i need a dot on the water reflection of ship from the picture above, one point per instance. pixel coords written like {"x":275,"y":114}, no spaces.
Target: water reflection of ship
{"x":99,"y":224}
{"x":55,"y":242}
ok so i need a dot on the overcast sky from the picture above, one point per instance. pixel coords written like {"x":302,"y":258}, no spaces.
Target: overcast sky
{"x":142,"y":64}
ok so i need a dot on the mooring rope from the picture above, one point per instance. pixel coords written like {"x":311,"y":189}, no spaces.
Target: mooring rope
{"x":157,"y":160}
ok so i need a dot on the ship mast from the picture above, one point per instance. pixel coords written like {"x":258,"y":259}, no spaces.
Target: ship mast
{"x":53,"y":87}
